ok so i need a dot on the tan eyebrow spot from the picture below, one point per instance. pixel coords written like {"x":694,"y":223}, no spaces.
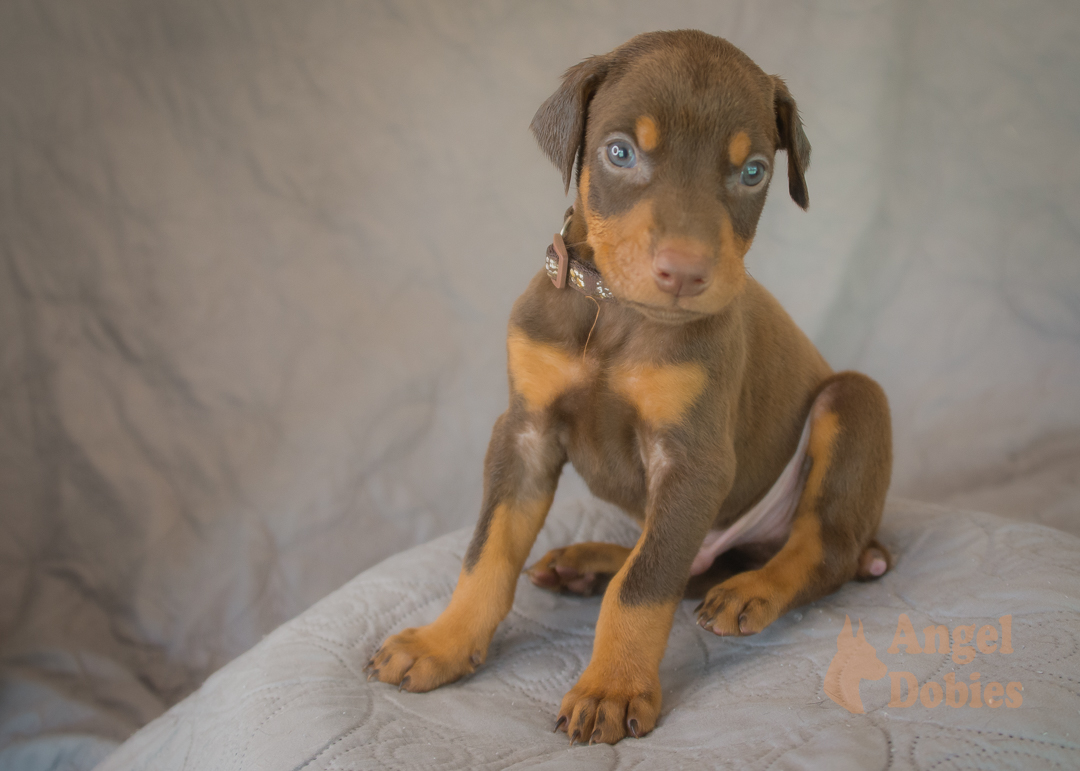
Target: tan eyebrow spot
{"x":648,"y":135}
{"x":739,"y":148}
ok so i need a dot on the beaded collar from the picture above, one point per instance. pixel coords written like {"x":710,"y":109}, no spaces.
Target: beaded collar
{"x":565,"y":267}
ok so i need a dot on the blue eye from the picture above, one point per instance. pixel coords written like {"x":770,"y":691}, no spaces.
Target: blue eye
{"x":752,"y":173}
{"x":621,"y":154}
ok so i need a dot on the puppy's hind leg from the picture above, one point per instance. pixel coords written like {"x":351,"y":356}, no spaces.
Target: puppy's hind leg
{"x":832,"y":534}
{"x":581,"y":568}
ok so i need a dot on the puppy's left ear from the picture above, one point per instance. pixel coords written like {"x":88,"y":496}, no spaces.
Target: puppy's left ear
{"x":793,"y":140}
{"x":559,"y":124}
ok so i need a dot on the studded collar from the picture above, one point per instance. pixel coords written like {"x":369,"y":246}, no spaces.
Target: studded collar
{"x":564,"y":267}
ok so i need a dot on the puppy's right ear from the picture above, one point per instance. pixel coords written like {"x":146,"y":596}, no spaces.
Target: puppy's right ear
{"x":559,"y":124}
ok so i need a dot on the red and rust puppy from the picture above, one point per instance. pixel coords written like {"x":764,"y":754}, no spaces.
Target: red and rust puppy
{"x":694,"y":403}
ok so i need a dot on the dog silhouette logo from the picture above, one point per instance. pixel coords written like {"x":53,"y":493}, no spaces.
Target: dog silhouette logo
{"x":855,"y":660}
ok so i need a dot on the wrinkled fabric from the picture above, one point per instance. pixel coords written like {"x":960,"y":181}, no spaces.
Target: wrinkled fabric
{"x":256,"y":263}
{"x":300,"y":699}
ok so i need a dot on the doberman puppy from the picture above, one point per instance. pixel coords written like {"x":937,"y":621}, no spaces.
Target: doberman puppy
{"x":677,"y":386}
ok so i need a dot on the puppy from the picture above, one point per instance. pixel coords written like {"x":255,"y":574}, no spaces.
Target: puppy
{"x":677,"y":386}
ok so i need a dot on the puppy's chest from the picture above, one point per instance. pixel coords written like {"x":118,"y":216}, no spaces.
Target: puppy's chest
{"x":618,"y":424}
{"x":621,"y":405}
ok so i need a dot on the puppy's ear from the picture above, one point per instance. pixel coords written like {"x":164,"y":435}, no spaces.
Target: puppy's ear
{"x":793,"y":140}
{"x":559,"y":124}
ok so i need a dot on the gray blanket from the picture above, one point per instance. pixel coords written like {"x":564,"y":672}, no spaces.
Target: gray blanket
{"x":299,"y":699}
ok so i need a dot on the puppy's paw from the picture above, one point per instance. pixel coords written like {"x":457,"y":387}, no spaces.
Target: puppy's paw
{"x":560,"y":571}
{"x":422,"y":659}
{"x":604,"y":707}
{"x":744,"y":604}
{"x":581,"y":568}
{"x":874,"y":562}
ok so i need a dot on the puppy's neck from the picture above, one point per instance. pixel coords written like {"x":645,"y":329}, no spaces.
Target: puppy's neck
{"x":577,"y":233}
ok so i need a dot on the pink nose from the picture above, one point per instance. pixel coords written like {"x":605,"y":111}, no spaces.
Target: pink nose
{"x":680,"y":273}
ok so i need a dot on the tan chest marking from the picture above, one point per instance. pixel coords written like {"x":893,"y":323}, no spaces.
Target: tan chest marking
{"x":647,"y":133}
{"x":662,"y":394}
{"x":540,"y":372}
{"x":739,"y":149}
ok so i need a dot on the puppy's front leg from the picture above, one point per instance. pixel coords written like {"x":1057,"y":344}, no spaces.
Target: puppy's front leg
{"x":521,"y":471}
{"x":619,"y":692}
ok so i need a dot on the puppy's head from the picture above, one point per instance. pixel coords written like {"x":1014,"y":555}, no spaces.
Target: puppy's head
{"x":673,"y":135}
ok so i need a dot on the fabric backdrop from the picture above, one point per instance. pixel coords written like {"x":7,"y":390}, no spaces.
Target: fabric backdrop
{"x":256,"y":260}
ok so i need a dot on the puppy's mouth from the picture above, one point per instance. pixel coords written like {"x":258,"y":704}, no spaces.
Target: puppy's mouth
{"x":666,"y":314}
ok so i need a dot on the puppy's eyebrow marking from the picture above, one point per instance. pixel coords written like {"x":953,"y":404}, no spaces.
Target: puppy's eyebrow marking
{"x":648,"y":135}
{"x":739,"y":148}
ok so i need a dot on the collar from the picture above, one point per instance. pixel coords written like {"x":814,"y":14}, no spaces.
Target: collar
{"x":564,"y":267}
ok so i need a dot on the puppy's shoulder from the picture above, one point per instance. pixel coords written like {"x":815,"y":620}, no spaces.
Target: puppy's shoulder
{"x":547,"y":314}
{"x":774,"y":339}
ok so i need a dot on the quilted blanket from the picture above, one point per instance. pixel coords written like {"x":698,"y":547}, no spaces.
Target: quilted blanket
{"x":997,"y":685}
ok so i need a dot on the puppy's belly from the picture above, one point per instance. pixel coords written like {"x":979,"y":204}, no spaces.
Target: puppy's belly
{"x":767,"y":521}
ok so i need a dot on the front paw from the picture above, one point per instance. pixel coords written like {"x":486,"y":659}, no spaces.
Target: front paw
{"x":744,"y":604}
{"x":423,"y":658}
{"x":605,"y":707}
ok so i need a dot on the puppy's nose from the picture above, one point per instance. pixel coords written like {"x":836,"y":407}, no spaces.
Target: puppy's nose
{"x":680,"y":272}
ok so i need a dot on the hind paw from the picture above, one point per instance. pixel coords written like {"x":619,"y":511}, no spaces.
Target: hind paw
{"x":744,"y":604}
{"x":874,"y":562}
{"x":581,"y":568}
